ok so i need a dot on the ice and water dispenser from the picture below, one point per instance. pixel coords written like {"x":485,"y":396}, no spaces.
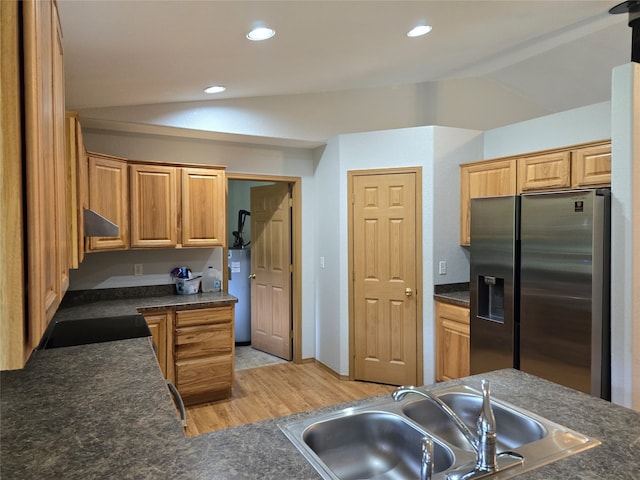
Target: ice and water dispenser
{"x":491,"y":298}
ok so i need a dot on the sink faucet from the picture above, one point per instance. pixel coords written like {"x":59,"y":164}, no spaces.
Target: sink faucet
{"x":483,"y":443}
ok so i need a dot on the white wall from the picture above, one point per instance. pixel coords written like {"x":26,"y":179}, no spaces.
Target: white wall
{"x":438,"y":150}
{"x":330,"y":282}
{"x":580,"y":125}
{"x":115,"y":269}
{"x":625,"y":233}
{"x":452,"y":146}
{"x":475,"y":103}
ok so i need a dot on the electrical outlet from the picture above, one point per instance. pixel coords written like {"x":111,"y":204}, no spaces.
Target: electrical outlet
{"x":321,"y":262}
{"x":442,"y":267}
{"x":137,"y":269}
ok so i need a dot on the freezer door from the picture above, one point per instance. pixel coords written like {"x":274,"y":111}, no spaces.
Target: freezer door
{"x":564,"y":307}
{"x":493,"y":299}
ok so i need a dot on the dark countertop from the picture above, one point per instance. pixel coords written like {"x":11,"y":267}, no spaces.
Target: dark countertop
{"x":455,"y":294}
{"x":455,"y":298}
{"x":103,"y":411}
{"x":131,"y":306}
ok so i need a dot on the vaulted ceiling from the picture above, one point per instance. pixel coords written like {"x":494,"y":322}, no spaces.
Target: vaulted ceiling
{"x":558,"y":54}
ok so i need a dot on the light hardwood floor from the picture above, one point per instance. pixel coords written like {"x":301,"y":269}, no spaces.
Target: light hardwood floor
{"x":273,"y":391}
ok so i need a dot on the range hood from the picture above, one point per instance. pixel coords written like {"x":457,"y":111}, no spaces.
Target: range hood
{"x":95,"y":225}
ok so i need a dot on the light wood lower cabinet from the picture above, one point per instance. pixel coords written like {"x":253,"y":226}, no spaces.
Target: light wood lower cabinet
{"x":452,"y":341}
{"x":195,"y":349}
{"x":204,"y":350}
{"x":157,"y":324}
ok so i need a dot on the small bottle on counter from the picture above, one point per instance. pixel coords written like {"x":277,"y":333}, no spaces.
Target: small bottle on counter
{"x":209,"y":280}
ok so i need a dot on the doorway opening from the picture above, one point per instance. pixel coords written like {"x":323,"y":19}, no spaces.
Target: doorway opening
{"x":239,"y":188}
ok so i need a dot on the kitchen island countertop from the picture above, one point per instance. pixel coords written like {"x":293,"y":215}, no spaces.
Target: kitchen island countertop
{"x":131,"y":306}
{"x":103,"y":411}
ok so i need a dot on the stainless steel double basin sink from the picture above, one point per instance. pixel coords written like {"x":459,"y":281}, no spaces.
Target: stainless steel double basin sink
{"x":382,"y":441}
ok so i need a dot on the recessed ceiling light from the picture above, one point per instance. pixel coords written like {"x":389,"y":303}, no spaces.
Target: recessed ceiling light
{"x":261,"y":33}
{"x":214,"y":89}
{"x":419,"y":31}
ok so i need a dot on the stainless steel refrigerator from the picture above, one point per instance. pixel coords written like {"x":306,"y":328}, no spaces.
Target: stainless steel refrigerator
{"x":540,"y":287}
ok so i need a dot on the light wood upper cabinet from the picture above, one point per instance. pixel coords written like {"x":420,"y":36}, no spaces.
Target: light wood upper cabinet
{"x":44,"y":166}
{"x":591,"y":166}
{"x":570,"y":168}
{"x":549,"y":171}
{"x":581,"y":166}
{"x":154,"y":208}
{"x":483,"y":179}
{"x":203,"y":207}
{"x":77,"y":188}
{"x":109,"y":196}
{"x":15,"y":336}
{"x":452,"y":341}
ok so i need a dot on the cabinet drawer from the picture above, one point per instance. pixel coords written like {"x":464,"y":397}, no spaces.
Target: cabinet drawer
{"x":204,"y":379}
{"x":201,"y":316}
{"x":203,"y":340}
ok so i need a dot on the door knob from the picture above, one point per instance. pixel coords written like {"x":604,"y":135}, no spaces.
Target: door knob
{"x":408,"y":292}
{"x":252,"y":276}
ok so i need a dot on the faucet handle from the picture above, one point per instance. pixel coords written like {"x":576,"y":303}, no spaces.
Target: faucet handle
{"x":426,"y":468}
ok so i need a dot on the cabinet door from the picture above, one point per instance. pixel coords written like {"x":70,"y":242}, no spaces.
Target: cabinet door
{"x":204,"y":209}
{"x":452,"y":341}
{"x":77,"y":188}
{"x":483,"y":179}
{"x":15,"y":333}
{"x":108,"y":196}
{"x":550,"y":171}
{"x":154,"y":209}
{"x":157,"y":324}
{"x":591,"y":166}
{"x":44,"y":168}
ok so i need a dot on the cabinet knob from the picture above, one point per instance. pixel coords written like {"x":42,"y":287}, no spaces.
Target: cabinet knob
{"x":252,"y":276}
{"x":408,"y":292}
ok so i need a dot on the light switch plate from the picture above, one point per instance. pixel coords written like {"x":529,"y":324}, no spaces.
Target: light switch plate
{"x":442,"y":267}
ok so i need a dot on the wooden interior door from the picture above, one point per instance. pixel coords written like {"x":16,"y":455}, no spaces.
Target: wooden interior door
{"x":384,"y":297}
{"x":270,"y":270}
